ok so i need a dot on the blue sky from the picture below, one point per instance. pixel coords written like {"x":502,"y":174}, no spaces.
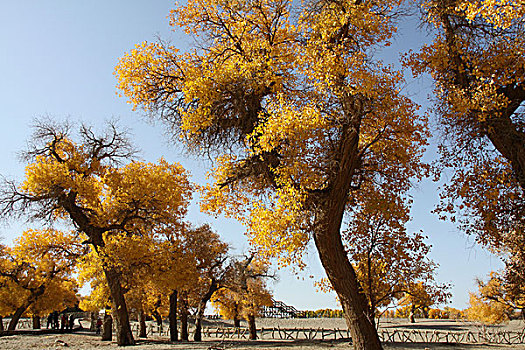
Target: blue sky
{"x":57,"y":59}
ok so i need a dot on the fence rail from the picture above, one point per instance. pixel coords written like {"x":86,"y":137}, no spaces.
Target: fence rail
{"x":408,"y":336}
{"x":385,"y":335}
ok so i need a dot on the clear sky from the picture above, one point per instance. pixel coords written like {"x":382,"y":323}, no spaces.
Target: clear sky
{"x":57,"y":59}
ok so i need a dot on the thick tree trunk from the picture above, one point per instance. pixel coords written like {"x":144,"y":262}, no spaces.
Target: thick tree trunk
{"x":197,"y":335}
{"x":184,"y":335}
{"x":252,"y":327}
{"x":30,"y":300}
{"x":236,"y":321}
{"x":15,"y":318}
{"x":412,"y":316}
{"x":107,"y":328}
{"x":172,"y":316}
{"x":120,"y":310}
{"x":2,"y":323}
{"x":332,"y":253}
{"x":142,"y":324}
{"x":510,"y":142}
{"x":36,"y":322}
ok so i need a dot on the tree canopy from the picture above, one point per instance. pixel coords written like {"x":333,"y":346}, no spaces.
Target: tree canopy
{"x":298,"y":113}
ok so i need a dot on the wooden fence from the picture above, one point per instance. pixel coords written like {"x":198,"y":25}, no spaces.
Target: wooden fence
{"x":408,"y":336}
{"x":386,"y":335}
{"x":462,"y":337}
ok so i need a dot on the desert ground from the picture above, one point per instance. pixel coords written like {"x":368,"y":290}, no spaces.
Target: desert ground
{"x":89,"y":341}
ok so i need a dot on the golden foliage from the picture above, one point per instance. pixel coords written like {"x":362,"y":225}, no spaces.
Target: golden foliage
{"x":36,"y":272}
{"x":278,"y":88}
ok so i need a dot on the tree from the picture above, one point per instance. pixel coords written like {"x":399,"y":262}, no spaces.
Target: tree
{"x":298,"y":113}
{"x":37,"y":272}
{"x":83,"y":184}
{"x":387,"y":259}
{"x":486,"y":311}
{"x":244,"y":292}
{"x":420,"y":296}
{"x":477,"y":64}
{"x":210,"y":254}
{"x":500,"y":289}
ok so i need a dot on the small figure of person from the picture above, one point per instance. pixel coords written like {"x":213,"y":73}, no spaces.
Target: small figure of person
{"x":99,"y":325}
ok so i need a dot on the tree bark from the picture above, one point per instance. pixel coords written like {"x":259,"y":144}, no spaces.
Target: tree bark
{"x":184,"y":335}
{"x":120,"y":310}
{"x":332,"y":253}
{"x":93,"y":316}
{"x":107,"y":328}
{"x":236,"y":321}
{"x":214,"y":286}
{"x":172,"y":316}
{"x":36,"y":322}
{"x":35,"y":293}
{"x":15,"y":318}
{"x":252,"y":327}
{"x":412,"y":315}
{"x":142,"y":324}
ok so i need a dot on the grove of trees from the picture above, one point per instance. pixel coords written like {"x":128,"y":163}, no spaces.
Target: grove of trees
{"x":312,"y":139}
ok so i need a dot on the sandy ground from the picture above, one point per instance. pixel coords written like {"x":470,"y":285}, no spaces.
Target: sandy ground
{"x":89,"y":341}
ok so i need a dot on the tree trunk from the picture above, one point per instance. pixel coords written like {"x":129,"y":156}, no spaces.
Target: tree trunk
{"x":15,"y":318}
{"x":142,"y":324}
{"x":30,"y":300}
{"x":412,"y":316}
{"x":184,"y":335}
{"x":2,"y":324}
{"x":158,"y":319}
{"x":252,"y":327}
{"x":236,"y":321}
{"x":172,"y":316}
{"x":93,"y":316}
{"x":36,"y":322}
{"x":197,"y":336}
{"x":120,"y":310}
{"x":107,"y":328}
{"x":332,"y":253}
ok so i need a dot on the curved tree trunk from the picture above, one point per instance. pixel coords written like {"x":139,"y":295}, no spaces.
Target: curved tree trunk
{"x":184,"y":335}
{"x":37,"y":292}
{"x":252,"y":327}
{"x":15,"y":318}
{"x":36,"y":322}
{"x":332,"y":253}
{"x":120,"y":310}
{"x":172,"y":316}
{"x":142,"y":324}
{"x":107,"y":328}
{"x":214,"y":286}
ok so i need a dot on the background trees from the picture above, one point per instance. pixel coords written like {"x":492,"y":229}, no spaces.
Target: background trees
{"x":36,"y":273}
{"x":83,"y":184}
{"x":244,"y":292}
{"x":298,"y":114}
